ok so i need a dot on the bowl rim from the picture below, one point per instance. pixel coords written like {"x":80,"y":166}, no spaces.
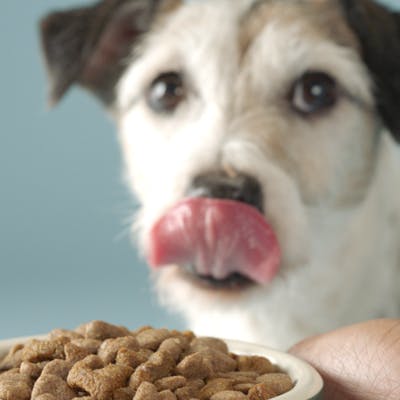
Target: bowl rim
{"x":308,"y":382}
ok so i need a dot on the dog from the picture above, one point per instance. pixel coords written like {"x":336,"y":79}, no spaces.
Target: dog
{"x":261,"y":138}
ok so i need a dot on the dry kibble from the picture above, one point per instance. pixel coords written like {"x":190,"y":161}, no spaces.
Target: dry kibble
{"x":243,"y":387}
{"x":101,"y":361}
{"x":57,"y":367}
{"x":171,"y":382}
{"x":31,"y":369}
{"x":46,"y":396}
{"x":90,"y":345}
{"x":195,"y":366}
{"x":132,"y":358}
{"x":240,"y":376}
{"x":109,"y":348}
{"x":258,"y":364}
{"x":74,"y":353}
{"x":125,"y":393}
{"x":146,"y":391}
{"x":214,"y":386}
{"x":174,"y":346}
{"x":13,"y":359}
{"x":152,"y":338}
{"x":159,"y":365}
{"x":84,"y":398}
{"x":15,"y":386}
{"x":261,"y":391}
{"x":102,"y":330}
{"x":167,"y":395}
{"x":219,"y":361}
{"x":53,"y":385}
{"x":43,"y":350}
{"x":56,"y":333}
{"x":91,"y":376}
{"x":228,"y":395}
{"x":278,"y":382}
{"x":208,"y":343}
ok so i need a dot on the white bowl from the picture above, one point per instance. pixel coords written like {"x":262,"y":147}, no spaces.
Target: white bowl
{"x":308,"y":383}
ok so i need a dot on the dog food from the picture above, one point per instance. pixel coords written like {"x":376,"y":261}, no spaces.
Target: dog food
{"x":100,"y":361}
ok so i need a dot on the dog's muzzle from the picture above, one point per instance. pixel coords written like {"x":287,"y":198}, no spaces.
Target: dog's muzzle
{"x":218,"y":233}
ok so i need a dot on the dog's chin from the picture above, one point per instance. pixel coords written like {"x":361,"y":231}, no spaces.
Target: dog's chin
{"x":233,"y":283}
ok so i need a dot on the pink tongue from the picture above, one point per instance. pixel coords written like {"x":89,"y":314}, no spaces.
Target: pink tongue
{"x":218,"y":238}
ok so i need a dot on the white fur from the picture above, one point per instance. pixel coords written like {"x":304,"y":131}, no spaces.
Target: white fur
{"x":332,"y":196}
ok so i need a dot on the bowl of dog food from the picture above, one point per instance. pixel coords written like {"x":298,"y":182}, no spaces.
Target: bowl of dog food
{"x":101,"y":361}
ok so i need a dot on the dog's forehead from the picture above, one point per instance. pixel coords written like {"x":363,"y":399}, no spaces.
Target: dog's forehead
{"x":317,"y":18}
{"x":323,"y":18}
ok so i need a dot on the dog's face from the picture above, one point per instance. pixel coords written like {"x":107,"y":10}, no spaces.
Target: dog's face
{"x":250,"y":131}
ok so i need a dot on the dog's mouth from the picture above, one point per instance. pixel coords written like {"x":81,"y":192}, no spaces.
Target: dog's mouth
{"x":219,"y":237}
{"x":225,"y":243}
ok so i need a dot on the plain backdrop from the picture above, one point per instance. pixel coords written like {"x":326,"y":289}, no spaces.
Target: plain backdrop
{"x":66,"y":256}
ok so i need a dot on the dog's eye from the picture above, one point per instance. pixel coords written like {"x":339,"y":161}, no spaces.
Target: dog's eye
{"x":166,"y":92}
{"x":314,"y":92}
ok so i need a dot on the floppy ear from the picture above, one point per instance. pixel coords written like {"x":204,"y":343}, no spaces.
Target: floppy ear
{"x":378,"y":30}
{"x":89,"y":45}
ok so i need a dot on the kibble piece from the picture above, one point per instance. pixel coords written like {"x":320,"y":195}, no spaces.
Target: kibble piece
{"x":195,"y":366}
{"x":146,"y":391}
{"x":74,"y":353}
{"x":152,"y":338}
{"x":102,"y":330}
{"x":84,"y":398}
{"x":186,"y":393}
{"x":125,"y":393}
{"x":261,"y":391}
{"x":132,"y":358}
{"x":90,"y":345}
{"x":57,"y":367}
{"x":53,"y":385}
{"x":171,"y":382}
{"x":174,"y":346}
{"x":46,"y":396}
{"x":214,"y":386}
{"x":141,"y":329}
{"x":240,"y":376}
{"x":278,"y":382}
{"x":208,"y":343}
{"x":243,"y":387}
{"x":13,"y":359}
{"x":191,"y":390}
{"x":100,"y":382}
{"x":258,"y":364}
{"x":31,"y":369}
{"x":109,"y":348}
{"x":167,"y":395}
{"x":44,"y":350}
{"x":228,"y":395}
{"x":220,"y":362}
{"x":159,"y":365}
{"x":56,"y":333}
{"x":15,"y":386}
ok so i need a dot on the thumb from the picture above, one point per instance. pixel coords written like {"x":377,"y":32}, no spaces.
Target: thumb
{"x":359,"y":362}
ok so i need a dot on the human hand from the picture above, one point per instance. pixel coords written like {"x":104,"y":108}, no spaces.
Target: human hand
{"x":359,"y":362}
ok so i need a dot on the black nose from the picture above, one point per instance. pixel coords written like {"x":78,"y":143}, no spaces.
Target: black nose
{"x":218,"y":185}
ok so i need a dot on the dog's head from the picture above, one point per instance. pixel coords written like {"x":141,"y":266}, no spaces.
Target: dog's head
{"x":243,"y":124}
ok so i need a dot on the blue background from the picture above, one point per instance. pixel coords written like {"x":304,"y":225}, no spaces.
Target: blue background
{"x":65,"y":252}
